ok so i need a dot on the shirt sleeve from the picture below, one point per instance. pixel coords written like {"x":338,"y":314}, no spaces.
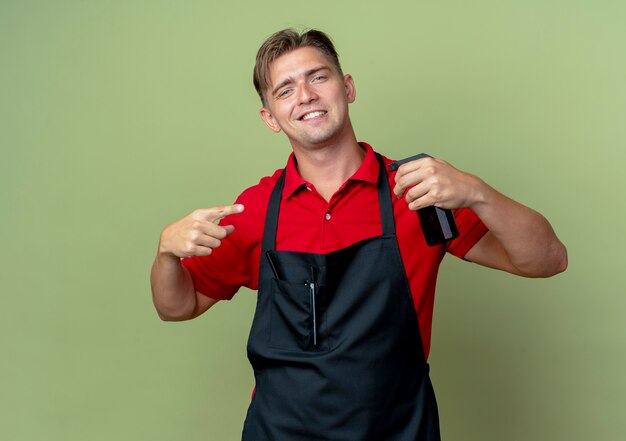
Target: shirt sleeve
{"x":471,"y":230}
{"x":235,"y":263}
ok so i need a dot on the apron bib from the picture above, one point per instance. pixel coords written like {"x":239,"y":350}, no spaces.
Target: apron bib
{"x":335,"y":344}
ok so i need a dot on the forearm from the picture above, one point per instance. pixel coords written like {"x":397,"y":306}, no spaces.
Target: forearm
{"x":526,"y":237}
{"x":173,"y":292}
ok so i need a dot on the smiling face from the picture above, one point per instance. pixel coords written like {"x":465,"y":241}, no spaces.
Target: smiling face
{"x":308,"y":99}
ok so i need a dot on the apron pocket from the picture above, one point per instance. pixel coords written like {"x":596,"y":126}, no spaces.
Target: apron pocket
{"x":291,"y":318}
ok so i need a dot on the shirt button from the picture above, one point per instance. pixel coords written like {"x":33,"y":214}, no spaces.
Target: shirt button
{"x":327,"y":216}
{"x":309,"y":188}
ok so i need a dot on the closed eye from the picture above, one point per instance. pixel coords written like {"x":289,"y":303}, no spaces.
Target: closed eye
{"x":284,"y":93}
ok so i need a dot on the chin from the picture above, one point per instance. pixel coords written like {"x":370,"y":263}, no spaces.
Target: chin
{"x":318,"y":141}
{"x":322,"y":138}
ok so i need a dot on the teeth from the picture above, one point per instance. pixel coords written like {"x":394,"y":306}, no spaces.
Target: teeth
{"x":312,"y":115}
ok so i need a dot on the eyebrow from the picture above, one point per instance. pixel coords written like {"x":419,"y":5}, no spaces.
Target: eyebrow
{"x":290,"y":80}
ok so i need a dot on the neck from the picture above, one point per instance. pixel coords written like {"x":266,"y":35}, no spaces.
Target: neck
{"x":328,"y":167}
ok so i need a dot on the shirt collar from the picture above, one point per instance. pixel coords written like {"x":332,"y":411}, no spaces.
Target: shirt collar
{"x":367,"y":172}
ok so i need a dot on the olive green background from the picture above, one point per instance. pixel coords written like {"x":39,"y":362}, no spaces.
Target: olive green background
{"x":117,"y":117}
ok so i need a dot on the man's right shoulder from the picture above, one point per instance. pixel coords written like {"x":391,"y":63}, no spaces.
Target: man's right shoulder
{"x":260,"y":191}
{"x":255,"y":199}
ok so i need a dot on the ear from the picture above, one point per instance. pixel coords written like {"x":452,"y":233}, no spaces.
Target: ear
{"x":268,"y":119}
{"x":348,"y":82}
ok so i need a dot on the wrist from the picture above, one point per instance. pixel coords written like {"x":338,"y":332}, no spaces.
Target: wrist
{"x":164,"y":254}
{"x":482,"y":194}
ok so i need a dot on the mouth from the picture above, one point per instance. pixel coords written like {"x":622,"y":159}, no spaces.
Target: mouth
{"x":311,"y":115}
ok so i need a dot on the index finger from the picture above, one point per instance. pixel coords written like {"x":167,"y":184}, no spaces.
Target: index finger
{"x":414,"y":165}
{"x":396,"y":165}
{"x":216,"y":213}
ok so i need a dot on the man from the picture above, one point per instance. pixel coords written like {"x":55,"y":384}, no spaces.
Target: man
{"x":346,"y":282}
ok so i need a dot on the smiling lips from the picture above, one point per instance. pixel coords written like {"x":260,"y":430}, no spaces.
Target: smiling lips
{"x":313,"y":115}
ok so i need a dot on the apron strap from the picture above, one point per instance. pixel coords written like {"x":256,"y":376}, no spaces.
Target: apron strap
{"x":273,"y":208}
{"x":271,"y":218}
{"x":384,"y":200}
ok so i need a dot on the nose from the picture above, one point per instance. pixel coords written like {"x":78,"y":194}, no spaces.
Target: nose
{"x":306,"y":93}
